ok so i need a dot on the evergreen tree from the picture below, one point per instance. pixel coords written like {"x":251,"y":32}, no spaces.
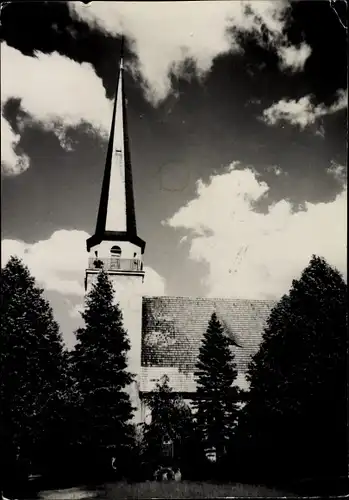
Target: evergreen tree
{"x":31,"y":363}
{"x":217,"y":400}
{"x":170,"y":420}
{"x":294,"y":422}
{"x":101,"y":378}
{"x":62,"y":426}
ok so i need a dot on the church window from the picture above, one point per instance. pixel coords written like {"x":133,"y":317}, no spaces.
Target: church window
{"x":115,"y":251}
{"x":115,"y":257}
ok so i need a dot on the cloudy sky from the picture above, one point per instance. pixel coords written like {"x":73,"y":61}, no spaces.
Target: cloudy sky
{"x":237,"y":120}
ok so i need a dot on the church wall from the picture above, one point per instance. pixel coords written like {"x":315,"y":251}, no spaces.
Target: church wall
{"x":127,"y":249}
{"x":128,"y":293}
{"x":179,"y":381}
{"x":145,"y":413}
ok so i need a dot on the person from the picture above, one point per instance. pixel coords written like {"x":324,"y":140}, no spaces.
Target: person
{"x":135,"y":262}
{"x":97,"y":262}
{"x":177,"y":474}
{"x":157,"y":474}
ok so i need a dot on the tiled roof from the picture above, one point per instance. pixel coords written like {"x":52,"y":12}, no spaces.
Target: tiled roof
{"x":173,"y":328}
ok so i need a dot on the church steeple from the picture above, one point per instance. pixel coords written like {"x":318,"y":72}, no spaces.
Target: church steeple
{"x":116,"y":220}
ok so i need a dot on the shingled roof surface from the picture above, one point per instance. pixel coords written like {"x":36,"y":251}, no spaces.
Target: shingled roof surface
{"x":173,"y":328}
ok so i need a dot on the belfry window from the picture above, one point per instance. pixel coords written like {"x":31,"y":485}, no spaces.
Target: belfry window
{"x":115,"y":257}
{"x":115,"y":251}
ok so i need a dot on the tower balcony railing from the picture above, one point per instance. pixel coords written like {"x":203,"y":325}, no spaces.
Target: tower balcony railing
{"x":115,"y":264}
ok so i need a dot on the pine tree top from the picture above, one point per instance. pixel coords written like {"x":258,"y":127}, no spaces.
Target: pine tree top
{"x":102,"y":344}
{"x":31,"y":345}
{"x":16,"y":274}
{"x":307,"y":328}
{"x":318,"y":292}
{"x":217,"y":398}
{"x":215,"y":368}
{"x":103,"y":318}
{"x":23,"y":307}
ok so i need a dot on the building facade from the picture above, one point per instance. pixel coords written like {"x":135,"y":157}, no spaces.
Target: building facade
{"x":165,"y":332}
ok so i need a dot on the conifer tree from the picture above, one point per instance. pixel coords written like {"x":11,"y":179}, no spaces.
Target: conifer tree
{"x":31,"y":363}
{"x":217,"y":400}
{"x":61,"y":426}
{"x":170,"y":419}
{"x":294,"y":422}
{"x":100,"y":364}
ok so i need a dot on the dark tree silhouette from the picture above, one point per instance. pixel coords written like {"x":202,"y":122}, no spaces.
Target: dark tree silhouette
{"x":217,"y":399}
{"x":101,"y":377}
{"x":32,"y":367}
{"x":170,"y":421}
{"x":294,"y":422}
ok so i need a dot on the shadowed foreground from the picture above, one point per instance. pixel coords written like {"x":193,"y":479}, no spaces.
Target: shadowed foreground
{"x":152,"y":489}
{"x":186,"y":490}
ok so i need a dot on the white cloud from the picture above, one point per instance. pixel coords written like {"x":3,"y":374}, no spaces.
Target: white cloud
{"x":59,"y":93}
{"x":256,"y":255}
{"x":13,"y":162}
{"x":341,"y":102}
{"x":55,"y":92}
{"x":338,"y":171}
{"x":59,"y":264}
{"x":276,"y":170}
{"x":154,"y":284}
{"x":294,"y":58}
{"x":164,"y":33}
{"x":303,"y":112}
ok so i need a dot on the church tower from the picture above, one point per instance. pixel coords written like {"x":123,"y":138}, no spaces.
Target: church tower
{"x":115,"y":244}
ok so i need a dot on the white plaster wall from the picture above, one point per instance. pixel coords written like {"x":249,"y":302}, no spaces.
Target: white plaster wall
{"x":127,"y":249}
{"x":145,"y":412}
{"x":179,"y":381}
{"x":128,"y":293}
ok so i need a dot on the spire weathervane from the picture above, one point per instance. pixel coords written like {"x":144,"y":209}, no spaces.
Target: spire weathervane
{"x":122,"y":46}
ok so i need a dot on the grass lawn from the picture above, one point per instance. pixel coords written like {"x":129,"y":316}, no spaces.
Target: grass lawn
{"x":186,"y":489}
{"x":183,"y":489}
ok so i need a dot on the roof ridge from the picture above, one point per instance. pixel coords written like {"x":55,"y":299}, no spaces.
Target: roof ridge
{"x":211,"y":299}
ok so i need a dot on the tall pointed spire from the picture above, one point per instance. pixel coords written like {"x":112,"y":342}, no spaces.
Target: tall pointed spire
{"x":116,"y":220}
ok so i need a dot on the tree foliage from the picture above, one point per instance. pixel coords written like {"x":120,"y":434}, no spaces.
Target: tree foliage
{"x":217,"y":400}
{"x":31,"y":363}
{"x":101,"y":377}
{"x":170,"y":418}
{"x":294,"y":422}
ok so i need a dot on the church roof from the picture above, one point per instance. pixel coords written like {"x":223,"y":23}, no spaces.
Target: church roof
{"x":173,"y":327}
{"x":116,"y":219}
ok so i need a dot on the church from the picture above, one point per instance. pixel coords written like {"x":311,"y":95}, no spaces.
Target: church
{"x":165,"y":332}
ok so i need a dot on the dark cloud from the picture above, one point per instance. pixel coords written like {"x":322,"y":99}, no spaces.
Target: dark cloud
{"x":200,"y":128}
